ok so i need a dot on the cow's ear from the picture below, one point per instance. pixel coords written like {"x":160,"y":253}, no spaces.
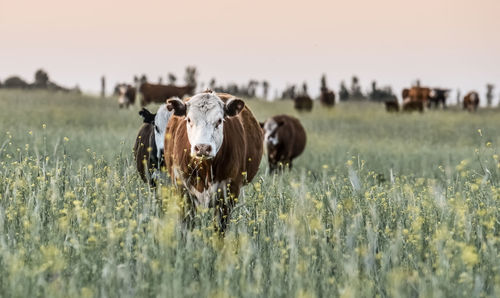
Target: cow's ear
{"x":233,"y":107}
{"x":177,"y":105}
{"x":147,"y":116}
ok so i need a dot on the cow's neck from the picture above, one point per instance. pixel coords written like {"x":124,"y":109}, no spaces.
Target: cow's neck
{"x":200,"y":174}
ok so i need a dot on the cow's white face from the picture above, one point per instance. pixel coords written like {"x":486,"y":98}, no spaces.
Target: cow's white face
{"x":205,"y":114}
{"x":432,"y":93}
{"x":122,"y":90}
{"x":270,"y":135}
{"x":161,"y":120}
{"x":473,"y":96}
{"x":205,"y":117}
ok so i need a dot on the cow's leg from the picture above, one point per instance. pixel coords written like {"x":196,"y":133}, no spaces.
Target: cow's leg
{"x":188,"y":211}
{"x":221,"y":212}
{"x":224,"y":203}
{"x":272,"y":166}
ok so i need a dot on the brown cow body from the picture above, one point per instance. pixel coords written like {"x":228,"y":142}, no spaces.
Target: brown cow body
{"x":285,"y":139}
{"x":160,"y":93}
{"x":143,"y":152}
{"x":303,"y":103}
{"x":471,"y":101}
{"x":415,"y":98}
{"x":215,"y":181}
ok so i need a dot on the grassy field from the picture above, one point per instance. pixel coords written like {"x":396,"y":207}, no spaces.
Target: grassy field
{"x":379,"y":205}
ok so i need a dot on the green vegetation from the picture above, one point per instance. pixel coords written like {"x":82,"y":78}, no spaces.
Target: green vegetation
{"x":387,"y":205}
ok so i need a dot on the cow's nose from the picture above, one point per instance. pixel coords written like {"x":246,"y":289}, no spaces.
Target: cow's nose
{"x":203,"y":149}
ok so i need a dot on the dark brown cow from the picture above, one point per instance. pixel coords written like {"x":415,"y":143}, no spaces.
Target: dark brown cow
{"x":327,"y":98}
{"x":392,"y":106}
{"x":145,"y":148}
{"x":471,"y":101}
{"x":213,"y":146}
{"x":160,"y":93}
{"x":303,"y":103}
{"x":285,"y":139}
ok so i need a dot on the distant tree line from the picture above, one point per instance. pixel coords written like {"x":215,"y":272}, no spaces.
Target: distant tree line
{"x":243,"y":90}
{"x":41,"y":81}
{"x":374,"y":94}
{"x":354,"y":92}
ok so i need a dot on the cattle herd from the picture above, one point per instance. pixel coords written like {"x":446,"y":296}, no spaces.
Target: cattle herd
{"x":210,"y":144}
{"x":416,"y":98}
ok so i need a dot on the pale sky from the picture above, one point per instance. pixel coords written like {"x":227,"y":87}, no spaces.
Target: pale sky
{"x":448,"y":43}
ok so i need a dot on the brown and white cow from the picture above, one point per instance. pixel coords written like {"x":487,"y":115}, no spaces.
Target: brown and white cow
{"x":160,"y":93}
{"x":415,"y":98}
{"x":471,"y":101}
{"x":285,"y":139}
{"x":213,"y":146}
{"x":126,"y":95}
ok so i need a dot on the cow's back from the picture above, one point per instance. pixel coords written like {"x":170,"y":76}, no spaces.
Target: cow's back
{"x":160,"y":93}
{"x":291,"y":134}
{"x":252,"y":138}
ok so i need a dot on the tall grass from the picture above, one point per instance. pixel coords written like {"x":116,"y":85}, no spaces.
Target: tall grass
{"x":386,"y":205}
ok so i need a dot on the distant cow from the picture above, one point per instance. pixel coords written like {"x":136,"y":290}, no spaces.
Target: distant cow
{"x":149,"y":144}
{"x":392,"y":106}
{"x":284,"y":138}
{"x":415,"y":98}
{"x":327,"y":98}
{"x":213,"y":147}
{"x":303,"y":103}
{"x":438,"y":97}
{"x":471,"y":101}
{"x":160,"y":93}
{"x":419,"y":94}
{"x":126,"y":95}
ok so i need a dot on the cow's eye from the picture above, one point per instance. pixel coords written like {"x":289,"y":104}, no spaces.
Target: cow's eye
{"x":218,"y":123}
{"x":189,"y":120}
{"x":157,"y":129}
